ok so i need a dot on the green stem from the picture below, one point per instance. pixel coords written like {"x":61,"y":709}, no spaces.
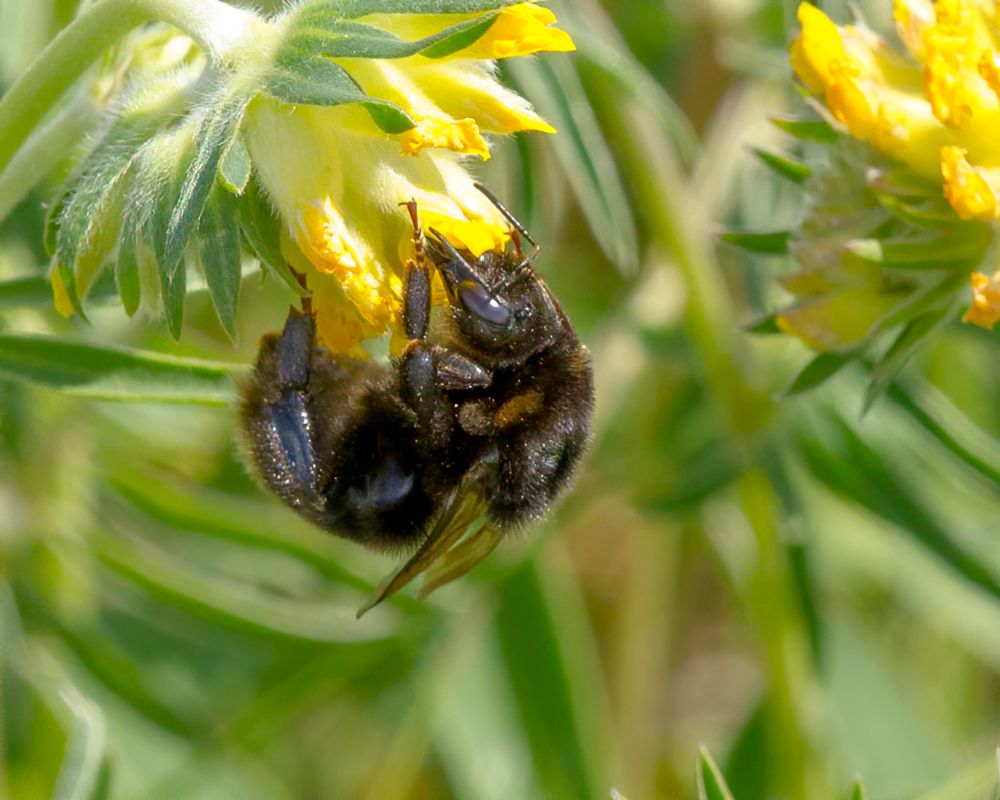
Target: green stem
{"x":660,"y":186}
{"x":215,"y":26}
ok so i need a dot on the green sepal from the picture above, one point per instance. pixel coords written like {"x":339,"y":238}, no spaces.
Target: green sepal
{"x":301,"y":79}
{"x":351,"y":9}
{"x":236,"y":166}
{"x":819,"y":370}
{"x":773,"y":242}
{"x":218,"y":127}
{"x":127,"y":263}
{"x":348,"y":39}
{"x":261,"y":230}
{"x":815,"y":130}
{"x":219,"y":255}
{"x":711,"y":783}
{"x":89,"y":198}
{"x":785,"y":166}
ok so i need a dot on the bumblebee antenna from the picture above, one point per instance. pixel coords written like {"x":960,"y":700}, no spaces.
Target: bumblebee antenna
{"x":514,"y":221}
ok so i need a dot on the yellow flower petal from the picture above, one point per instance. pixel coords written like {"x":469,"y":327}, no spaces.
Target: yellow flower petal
{"x":816,"y":48}
{"x":473,"y":235}
{"x":520,"y":30}
{"x":848,"y":101}
{"x":461,"y":135}
{"x":333,"y":249}
{"x":985,"y":308}
{"x":966,"y":187}
{"x":466,"y":89}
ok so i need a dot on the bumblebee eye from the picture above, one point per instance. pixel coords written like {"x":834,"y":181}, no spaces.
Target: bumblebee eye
{"x":478,"y":301}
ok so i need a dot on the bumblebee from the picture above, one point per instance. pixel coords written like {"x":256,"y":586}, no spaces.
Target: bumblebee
{"x":488,"y":417}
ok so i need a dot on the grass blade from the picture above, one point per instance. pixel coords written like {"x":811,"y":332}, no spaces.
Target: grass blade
{"x":711,"y":784}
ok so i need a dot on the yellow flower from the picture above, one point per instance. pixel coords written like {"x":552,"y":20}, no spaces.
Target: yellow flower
{"x":985,"y":308}
{"x":337,"y":179}
{"x":935,"y":107}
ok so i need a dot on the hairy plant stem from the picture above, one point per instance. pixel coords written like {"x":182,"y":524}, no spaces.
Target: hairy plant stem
{"x":218,"y":29}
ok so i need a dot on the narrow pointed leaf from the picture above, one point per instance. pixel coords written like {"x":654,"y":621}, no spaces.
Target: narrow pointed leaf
{"x":858,"y":790}
{"x":127,"y":265}
{"x":300,"y":79}
{"x":219,"y":254}
{"x":236,"y":167}
{"x":809,"y":129}
{"x":774,"y":242}
{"x":822,"y":367}
{"x":261,"y":231}
{"x":785,"y":166}
{"x":764,"y":325}
{"x":215,"y":135}
{"x":895,"y":358}
{"x":944,"y":252}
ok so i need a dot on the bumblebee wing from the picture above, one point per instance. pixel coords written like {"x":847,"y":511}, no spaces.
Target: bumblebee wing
{"x":461,"y":509}
{"x":460,"y":559}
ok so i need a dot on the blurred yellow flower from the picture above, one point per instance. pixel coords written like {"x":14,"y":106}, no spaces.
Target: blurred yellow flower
{"x":337,"y":179}
{"x":935,"y":107}
{"x":985,"y":308}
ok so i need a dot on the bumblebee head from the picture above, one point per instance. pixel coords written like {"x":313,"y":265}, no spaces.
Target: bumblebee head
{"x":499,"y":305}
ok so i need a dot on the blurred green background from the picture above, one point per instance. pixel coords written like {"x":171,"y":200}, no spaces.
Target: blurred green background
{"x":810,"y":594}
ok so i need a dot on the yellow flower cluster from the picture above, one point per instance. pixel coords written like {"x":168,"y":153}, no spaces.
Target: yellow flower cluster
{"x":935,"y":107}
{"x":338,"y":180}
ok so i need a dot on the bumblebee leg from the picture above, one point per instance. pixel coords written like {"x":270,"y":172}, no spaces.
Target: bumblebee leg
{"x":276,"y":417}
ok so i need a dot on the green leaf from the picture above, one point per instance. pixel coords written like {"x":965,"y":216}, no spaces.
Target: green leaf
{"x":532,"y":638}
{"x":809,"y":129}
{"x":858,"y":789}
{"x":773,"y":242}
{"x":783,"y":165}
{"x":587,"y":157}
{"x":765,"y":325}
{"x":127,"y":264}
{"x":115,"y":373}
{"x":261,"y":230}
{"x":850,"y":467}
{"x":229,"y":603}
{"x":236,"y":166}
{"x":349,"y":9}
{"x":86,"y":207}
{"x":216,"y":131}
{"x":237,"y":521}
{"x":305,"y":79}
{"x":711,"y":784}
{"x":940,"y":418}
{"x":219,"y":254}
{"x":338,"y":38}
{"x":820,"y":369}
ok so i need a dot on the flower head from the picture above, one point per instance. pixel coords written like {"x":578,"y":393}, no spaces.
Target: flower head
{"x":338,"y":179}
{"x":934,"y":107}
{"x":322,"y":121}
